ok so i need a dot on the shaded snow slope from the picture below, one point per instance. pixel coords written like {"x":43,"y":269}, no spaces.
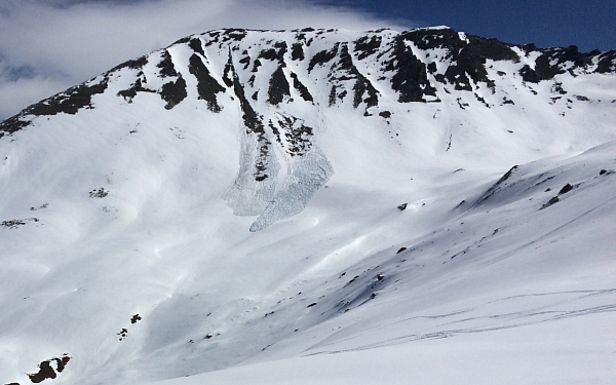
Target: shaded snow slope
{"x":294,"y":200}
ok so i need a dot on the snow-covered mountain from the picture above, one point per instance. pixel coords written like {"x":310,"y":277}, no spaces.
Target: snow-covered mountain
{"x":315,"y":207}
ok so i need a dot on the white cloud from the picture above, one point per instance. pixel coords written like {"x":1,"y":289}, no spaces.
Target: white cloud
{"x":65,"y":42}
{"x":14,"y":95}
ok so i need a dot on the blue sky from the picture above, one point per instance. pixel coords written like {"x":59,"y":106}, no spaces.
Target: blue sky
{"x":588,"y":24}
{"x":47,"y":46}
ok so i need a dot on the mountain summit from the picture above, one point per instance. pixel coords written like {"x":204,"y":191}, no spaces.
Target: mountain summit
{"x":274,"y":197}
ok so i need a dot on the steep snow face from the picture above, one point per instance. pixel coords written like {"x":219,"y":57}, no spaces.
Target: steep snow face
{"x":251,"y":196}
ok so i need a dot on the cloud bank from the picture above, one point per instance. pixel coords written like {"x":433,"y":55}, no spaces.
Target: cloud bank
{"x":47,"y":46}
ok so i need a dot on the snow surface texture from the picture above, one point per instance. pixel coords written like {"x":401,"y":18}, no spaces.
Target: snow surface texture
{"x":315,"y":207}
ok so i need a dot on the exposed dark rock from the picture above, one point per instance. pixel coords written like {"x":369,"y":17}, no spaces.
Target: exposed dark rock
{"x":62,"y":362}
{"x":236,"y":34}
{"x":491,"y":49}
{"x":276,"y":53}
{"x":544,"y":70}
{"x":566,"y":188}
{"x":68,"y":102}
{"x":165,"y":66}
{"x":297,"y":51}
{"x":174,"y":92}
{"x":135,"y":318}
{"x":367,"y":46}
{"x":458,"y":74}
{"x":462,"y":104}
{"x":269,"y":54}
{"x":46,"y":371}
{"x":129,"y":93}
{"x":352,"y":280}
{"x":223,"y":36}
{"x":134,"y":64}
{"x":470,"y":63}
{"x":467,"y":57}
{"x":212,"y":38}
{"x":362,"y":85}
{"x":481,"y":99}
{"x":552,"y":201}
{"x":195,"y":44}
{"x":43,"y":206}
{"x":13,"y":223}
{"x":301,"y":88}
{"x":254,"y":125}
{"x":122,"y":334}
{"x":245,"y":61}
{"x":278,"y":87}
{"x":385,"y":114}
{"x":607,"y":62}
{"x":344,"y":70}
{"x":323,"y":57}
{"x":183,"y":40}
{"x":332,"y":95}
{"x":256,"y":65}
{"x":410,"y":77}
{"x":400,"y":250}
{"x":227,"y":76}
{"x":508,"y":101}
{"x":296,"y":133}
{"x":207,"y":86}
{"x":402,"y":206}
{"x":100,"y":193}
{"x":252,"y":120}
{"x":558,"y":88}
{"x":427,"y":38}
{"x":552,"y":62}
{"x":12,"y":125}
{"x":529,"y":75}
{"x":362,"y":293}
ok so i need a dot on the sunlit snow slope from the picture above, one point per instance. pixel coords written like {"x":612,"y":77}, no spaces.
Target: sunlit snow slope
{"x":315,"y":207}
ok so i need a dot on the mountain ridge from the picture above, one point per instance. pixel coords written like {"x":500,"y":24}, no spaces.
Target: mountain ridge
{"x":282,"y":81}
{"x":245,"y":198}
{"x":465,"y":66}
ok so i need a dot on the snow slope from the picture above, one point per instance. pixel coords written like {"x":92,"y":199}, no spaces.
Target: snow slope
{"x":306,"y":207}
